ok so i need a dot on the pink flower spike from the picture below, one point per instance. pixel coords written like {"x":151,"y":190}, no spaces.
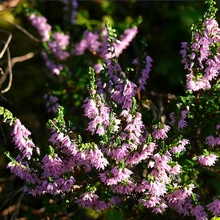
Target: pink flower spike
{"x":125,"y":40}
{"x":40,"y":23}
{"x":21,"y":139}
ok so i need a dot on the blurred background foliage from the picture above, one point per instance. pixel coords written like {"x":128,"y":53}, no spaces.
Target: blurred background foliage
{"x":165,"y":24}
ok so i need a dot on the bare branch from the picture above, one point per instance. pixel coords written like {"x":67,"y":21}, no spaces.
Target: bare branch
{"x":8,"y":69}
{"x":22,"y":30}
{"x":6,"y":44}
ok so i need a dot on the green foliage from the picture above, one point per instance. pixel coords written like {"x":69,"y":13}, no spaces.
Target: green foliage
{"x":7,"y":116}
{"x":211,"y":11}
{"x":114,"y":214}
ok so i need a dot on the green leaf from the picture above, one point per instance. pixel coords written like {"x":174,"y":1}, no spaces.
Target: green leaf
{"x":2,"y":110}
{"x":114,"y":214}
{"x":215,"y":218}
{"x":51,"y":151}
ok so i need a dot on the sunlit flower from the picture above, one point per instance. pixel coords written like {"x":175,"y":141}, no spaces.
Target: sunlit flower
{"x":160,"y":133}
{"x":207,"y":160}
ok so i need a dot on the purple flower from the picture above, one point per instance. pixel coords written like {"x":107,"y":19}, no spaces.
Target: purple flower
{"x":57,"y":51}
{"x":214,"y":207}
{"x":61,"y":39}
{"x":99,"y":115}
{"x":150,"y":202}
{"x":21,"y":139}
{"x":126,"y":187}
{"x":145,"y":73}
{"x":100,"y":205}
{"x":212,"y":69}
{"x":172,"y":117}
{"x":23,"y":172}
{"x":154,"y":188}
{"x":97,"y":43}
{"x":89,"y":42}
{"x":133,"y":159}
{"x":160,"y":132}
{"x":116,"y":175}
{"x":128,"y":93}
{"x":91,"y":110}
{"x":182,"y":124}
{"x":56,"y":137}
{"x":54,"y":68}
{"x":125,"y":40}
{"x":96,"y":158}
{"x":147,"y":150}
{"x":49,"y":187}
{"x":98,"y":67}
{"x":207,"y":160}
{"x":65,"y":184}
{"x":180,"y":146}
{"x":180,"y":195}
{"x":87,"y":199}
{"x":194,"y":84}
{"x":160,"y":208}
{"x":161,"y":162}
{"x":210,"y":140}
{"x":52,"y":103}
{"x":52,"y":166}
{"x":135,"y":126}
{"x":175,"y":169}
{"x":183,"y":52}
{"x":217,"y":140}
{"x":120,"y":153}
{"x":58,"y":45}
{"x":42,"y":26}
{"x":199,"y":213}
{"x":211,"y":26}
{"x":205,"y":65}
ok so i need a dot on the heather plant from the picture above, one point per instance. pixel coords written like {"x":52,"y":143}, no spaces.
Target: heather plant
{"x":128,"y":162}
{"x":63,"y":49}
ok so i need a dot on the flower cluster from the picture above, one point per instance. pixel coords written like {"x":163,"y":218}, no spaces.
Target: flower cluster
{"x":22,"y":141}
{"x":59,"y":45}
{"x":89,"y":42}
{"x":207,"y":160}
{"x":56,"y":43}
{"x":40,"y":23}
{"x":121,"y":155}
{"x":97,"y":43}
{"x":201,"y":57}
